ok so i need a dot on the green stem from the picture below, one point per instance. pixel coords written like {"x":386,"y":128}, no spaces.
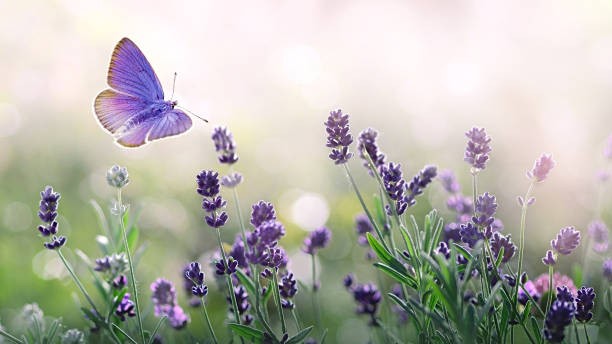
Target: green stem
{"x":77,"y":281}
{"x":576,"y":332}
{"x":522,"y":241}
{"x":160,"y":322}
{"x":10,"y":337}
{"x":240,"y":219}
{"x":315,"y":300}
{"x":276,"y":293}
{"x":210,"y":328}
{"x":228,"y":279}
{"x":550,"y":288}
{"x":298,"y":327}
{"x":586,"y":334}
{"x":132,"y":275}
{"x":363,"y":205}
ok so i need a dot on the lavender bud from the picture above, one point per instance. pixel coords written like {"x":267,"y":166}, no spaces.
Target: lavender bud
{"x":73,"y":336}
{"x":119,"y":282}
{"x":498,"y":241}
{"x":607,"y":269}
{"x":125,"y":308}
{"x":470,"y":234}
{"x":117,"y":176}
{"x":231,"y":180}
{"x":567,"y":240}
{"x":477,"y":150}
{"x":584,"y":304}
{"x":317,"y":239}
{"x":208,"y":183}
{"x":262,"y":212}
{"x":367,"y":145}
{"x":449,"y":181}
{"x":225,"y":145}
{"x":549,"y":258}
{"x":541,"y":168}
{"x":558,"y":317}
{"x":338,"y":136}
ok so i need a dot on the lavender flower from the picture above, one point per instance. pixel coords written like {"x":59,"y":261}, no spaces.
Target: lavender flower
{"x":194,"y":273}
{"x":419,"y":183}
{"x":117,"y":176}
{"x":607,"y":269}
{"x":394,"y":185}
{"x":47,"y":212}
{"x":567,"y":240}
{"x":598,"y":231}
{"x":188,"y":285}
{"x":231,"y":180}
{"x":208,"y":187}
{"x":367,"y":297}
{"x":558,"y":317}
{"x":242,"y":302}
{"x":225,"y":145}
{"x":119,"y":282}
{"x":485,"y":210}
{"x":498,"y":241}
{"x":444,"y":250}
{"x":541,"y":168}
{"x":477,"y":150}
{"x":461,"y":205}
{"x":348,"y":280}
{"x":549,"y":258}
{"x":73,"y":336}
{"x":287,"y":288}
{"x":367,"y":145}
{"x":125,"y":308}
{"x":113,"y":265}
{"x":470,"y":234}
{"x":338,"y":136}
{"x":363,"y":226}
{"x":262,"y":212}
{"x":449,"y":181}
{"x":165,"y":304}
{"x":317,"y":239}
{"x":584,"y":304}
{"x":238,"y":252}
{"x":228,"y":268}
{"x":564,"y":294}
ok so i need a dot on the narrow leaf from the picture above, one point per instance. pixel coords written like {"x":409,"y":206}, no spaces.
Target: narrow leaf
{"x":299,"y":337}
{"x":247,"y":332}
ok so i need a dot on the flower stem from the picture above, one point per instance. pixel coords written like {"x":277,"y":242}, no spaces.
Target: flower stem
{"x":132,"y":276}
{"x":77,"y":281}
{"x":10,"y":337}
{"x":586,"y":333}
{"x":210,"y":328}
{"x":522,"y":241}
{"x":550,"y":288}
{"x":240,"y":219}
{"x":228,"y":278}
{"x":315,"y":299}
{"x":274,"y":286}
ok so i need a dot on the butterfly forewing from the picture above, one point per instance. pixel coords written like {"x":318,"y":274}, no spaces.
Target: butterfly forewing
{"x":131,"y":73}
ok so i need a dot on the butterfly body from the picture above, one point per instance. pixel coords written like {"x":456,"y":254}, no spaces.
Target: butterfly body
{"x":133,"y":110}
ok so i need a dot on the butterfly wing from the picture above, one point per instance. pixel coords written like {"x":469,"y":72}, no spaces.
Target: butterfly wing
{"x":172,"y":122}
{"x":132,"y":74}
{"x":114,"y":109}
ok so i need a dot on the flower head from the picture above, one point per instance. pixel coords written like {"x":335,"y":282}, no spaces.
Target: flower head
{"x":242,"y":302}
{"x":208,"y":183}
{"x":231,"y":180}
{"x":363,"y":226}
{"x":449,"y":181}
{"x":598,"y":231}
{"x":394,"y":185}
{"x":567,"y":240}
{"x":367,"y":297}
{"x":262,"y":212}
{"x":368,"y":148}
{"x":225,"y":145}
{"x":419,"y":183}
{"x":541,"y":168}
{"x":126,"y":308}
{"x":226,"y":268}
{"x":208,"y":187}
{"x":584,"y":304}
{"x":470,"y":234}
{"x":477,"y":150}
{"x":558,"y":317}
{"x":317,"y":239}
{"x":47,"y":212}
{"x":485,"y":210}
{"x":114,"y":265}
{"x":117,"y":176}
{"x":549,"y":258}
{"x":499,"y":241}
{"x":165,"y":304}
{"x":287,"y":288}
{"x":338,"y":136}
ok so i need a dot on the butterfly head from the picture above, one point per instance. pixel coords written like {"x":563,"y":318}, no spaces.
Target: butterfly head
{"x":173,"y":103}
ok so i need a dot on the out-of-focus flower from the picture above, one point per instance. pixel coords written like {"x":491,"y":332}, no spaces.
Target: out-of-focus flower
{"x":317,"y":239}
{"x":119,"y":282}
{"x":114,"y":265}
{"x":231,"y":180}
{"x":367,"y":297}
{"x":242,"y":301}
{"x":478,"y":148}
{"x":607,"y":269}
{"x":368,"y":148}
{"x":567,"y":240}
{"x":73,"y":336}
{"x":449,"y":181}
{"x":165,"y":303}
{"x":558,"y":317}
{"x":584,"y":304}
{"x":541,"y":168}
{"x":31,"y":315}
{"x":598,"y":231}
{"x":125,"y":308}
{"x":470,"y":234}
{"x":117,"y":176}
{"x":287,"y":288}
{"x":338,"y":136}
{"x":225,"y":145}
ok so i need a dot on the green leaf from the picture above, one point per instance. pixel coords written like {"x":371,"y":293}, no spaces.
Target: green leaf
{"x":247,"y":332}
{"x":98,"y":283}
{"x":500,"y":256}
{"x":246,"y":281}
{"x":299,"y":337}
{"x":132,"y":237}
{"x":396,"y":275}
{"x":535,"y":327}
{"x":383,"y":254}
{"x":414,"y":257}
{"x":102,"y":221}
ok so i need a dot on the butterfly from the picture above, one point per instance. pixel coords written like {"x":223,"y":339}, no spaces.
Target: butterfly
{"x":133,"y":110}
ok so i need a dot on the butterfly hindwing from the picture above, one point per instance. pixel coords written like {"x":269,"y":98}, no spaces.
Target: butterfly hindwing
{"x":171,"y":123}
{"x":131,"y":73}
{"x":114,"y":109}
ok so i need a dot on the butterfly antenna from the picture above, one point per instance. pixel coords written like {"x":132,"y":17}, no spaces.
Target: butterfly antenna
{"x":173,"y":84}
{"x":191,"y":113}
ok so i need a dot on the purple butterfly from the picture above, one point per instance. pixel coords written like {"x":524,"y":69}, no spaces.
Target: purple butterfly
{"x":134,"y":109}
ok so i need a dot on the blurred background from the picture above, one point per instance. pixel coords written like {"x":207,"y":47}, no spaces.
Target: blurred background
{"x":536,"y":75}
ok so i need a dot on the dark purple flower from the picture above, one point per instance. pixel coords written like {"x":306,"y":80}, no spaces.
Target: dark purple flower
{"x":607,"y":269}
{"x":598,"y":231}
{"x":363,"y":226}
{"x":367,"y":297}
{"x":276,"y":258}
{"x":498,"y":241}
{"x":444,"y":250}
{"x":338,"y":136}
{"x":558,"y":317}
{"x":242,"y":300}
{"x":419,"y":183}
{"x":477,"y":150}
{"x":125,"y":308}
{"x":55,"y":242}
{"x":485,"y":210}
{"x":287,"y":288}
{"x":541,"y":168}
{"x":225,"y":145}
{"x":348,"y":280}
{"x":317,"y":239}
{"x":470,"y":234}
{"x":120,"y":281}
{"x":549,"y":258}
{"x":564,"y":294}
{"x":238,"y":252}
{"x":449,"y":181}
{"x":228,"y":268}
{"x":188,"y":285}
{"x":584,"y":304}
{"x":262,"y":212}
{"x":193,"y":273}
{"x":47,"y":212}
{"x":567,"y":240}
{"x":231,"y":180}
{"x":208,"y":183}
{"x":367,"y":145}
{"x":394,"y":185}
{"x":452,"y":232}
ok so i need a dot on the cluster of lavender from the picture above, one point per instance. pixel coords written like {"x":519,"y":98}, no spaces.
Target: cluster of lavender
{"x":564,"y":308}
{"x":165,"y":303}
{"x":47,"y":212}
{"x":366,"y":295}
